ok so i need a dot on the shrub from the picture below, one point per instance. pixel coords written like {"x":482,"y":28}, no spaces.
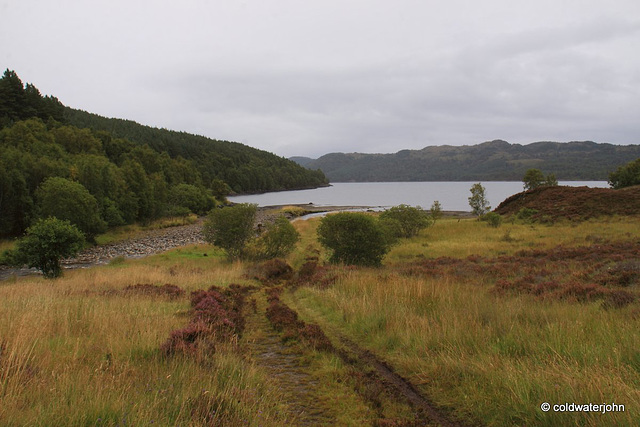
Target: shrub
{"x":354,"y":238}
{"x":46,"y":242}
{"x":526,"y":214}
{"x":405,"y":221}
{"x":626,"y":176}
{"x":493,"y":219}
{"x":230,"y":228}
{"x":278,"y":239}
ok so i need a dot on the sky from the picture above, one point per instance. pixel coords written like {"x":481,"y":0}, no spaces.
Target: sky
{"x":305,"y":78}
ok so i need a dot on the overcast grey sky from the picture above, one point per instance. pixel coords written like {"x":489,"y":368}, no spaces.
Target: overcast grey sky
{"x":309,"y":77}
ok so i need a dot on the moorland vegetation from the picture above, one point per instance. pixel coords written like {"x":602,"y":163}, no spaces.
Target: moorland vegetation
{"x":488,"y":323}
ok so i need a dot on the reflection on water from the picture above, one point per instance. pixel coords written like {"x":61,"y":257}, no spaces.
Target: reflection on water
{"x":453,"y":196}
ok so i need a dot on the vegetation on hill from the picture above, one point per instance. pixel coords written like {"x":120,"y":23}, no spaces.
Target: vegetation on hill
{"x":573,"y":203}
{"x":489,"y":161}
{"x":116,"y":172}
{"x":626,"y":176}
{"x":243,"y":168}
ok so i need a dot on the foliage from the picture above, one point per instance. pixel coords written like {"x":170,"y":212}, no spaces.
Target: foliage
{"x":68,"y":200}
{"x":221,"y":165}
{"x":626,"y":176}
{"x":19,"y":102}
{"x":405,"y":221}
{"x":526,"y":214}
{"x":493,"y":219}
{"x":478,"y":200}
{"x":534,"y":178}
{"x":46,"y":242}
{"x":354,"y":238}
{"x":231,"y":228}
{"x":278,"y":239}
{"x":435,"y":211}
{"x":191,"y":197}
{"x":135,"y":173}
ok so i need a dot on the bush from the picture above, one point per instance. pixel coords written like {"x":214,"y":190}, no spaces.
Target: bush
{"x":278,"y":240}
{"x":626,"y":176}
{"x":526,"y":214}
{"x":354,"y":238}
{"x":493,"y":219}
{"x":46,"y":242}
{"x":405,"y":221}
{"x":231,"y":228}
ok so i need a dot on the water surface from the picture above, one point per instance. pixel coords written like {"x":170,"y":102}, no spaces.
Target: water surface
{"x":453,"y":196}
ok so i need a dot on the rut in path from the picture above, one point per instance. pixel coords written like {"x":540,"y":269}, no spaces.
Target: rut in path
{"x":282,"y":364}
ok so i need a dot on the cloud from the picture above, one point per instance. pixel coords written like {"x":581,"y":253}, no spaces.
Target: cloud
{"x":306,"y":78}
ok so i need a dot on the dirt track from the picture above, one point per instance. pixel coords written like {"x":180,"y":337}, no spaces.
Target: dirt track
{"x":376,"y":381}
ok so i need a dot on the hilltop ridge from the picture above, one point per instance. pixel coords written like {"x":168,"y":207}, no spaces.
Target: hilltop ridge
{"x":495,"y":160}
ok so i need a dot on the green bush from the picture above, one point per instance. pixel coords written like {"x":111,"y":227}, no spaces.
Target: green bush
{"x":405,"y":221}
{"x":526,"y":214}
{"x":278,"y":239}
{"x":231,"y":228}
{"x":354,"y":238}
{"x":46,"y":242}
{"x":493,"y":219}
{"x":626,"y":176}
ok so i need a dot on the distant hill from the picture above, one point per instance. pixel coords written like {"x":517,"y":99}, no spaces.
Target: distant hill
{"x":302,"y":161}
{"x":490,"y":161}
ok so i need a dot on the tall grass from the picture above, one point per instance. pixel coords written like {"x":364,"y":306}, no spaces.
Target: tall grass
{"x":80,"y":351}
{"x":491,"y":358}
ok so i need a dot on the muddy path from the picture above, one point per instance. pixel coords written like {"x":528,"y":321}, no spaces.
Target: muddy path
{"x":428,"y":413}
{"x":370,"y":379}
{"x":284,"y":365}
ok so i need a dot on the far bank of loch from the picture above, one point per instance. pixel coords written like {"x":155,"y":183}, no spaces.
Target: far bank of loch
{"x":453,"y":196}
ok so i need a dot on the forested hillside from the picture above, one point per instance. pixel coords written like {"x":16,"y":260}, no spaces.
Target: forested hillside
{"x":243,"y":168}
{"x":489,"y":161}
{"x":75,"y":165}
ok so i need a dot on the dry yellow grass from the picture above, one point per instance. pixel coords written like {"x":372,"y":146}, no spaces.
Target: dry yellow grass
{"x":490,"y":358}
{"x":79,"y":351}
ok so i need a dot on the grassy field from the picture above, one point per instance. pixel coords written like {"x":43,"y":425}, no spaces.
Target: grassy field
{"x":512,"y":317}
{"x":82,"y":350}
{"x":489,"y":323}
